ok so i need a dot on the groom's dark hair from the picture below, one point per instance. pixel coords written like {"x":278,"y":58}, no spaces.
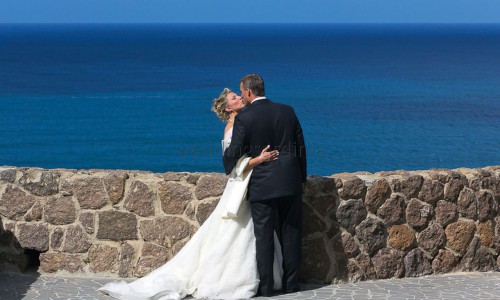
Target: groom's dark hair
{"x":255,"y":83}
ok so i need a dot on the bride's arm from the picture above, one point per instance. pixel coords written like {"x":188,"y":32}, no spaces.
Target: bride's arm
{"x":265,"y":156}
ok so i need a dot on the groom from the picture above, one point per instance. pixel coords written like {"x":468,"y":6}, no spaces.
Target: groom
{"x":275,"y":188}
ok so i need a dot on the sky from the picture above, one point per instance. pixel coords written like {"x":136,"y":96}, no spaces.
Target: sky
{"x":250,"y":11}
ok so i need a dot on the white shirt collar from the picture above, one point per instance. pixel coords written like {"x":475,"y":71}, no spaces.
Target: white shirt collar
{"x":257,"y":99}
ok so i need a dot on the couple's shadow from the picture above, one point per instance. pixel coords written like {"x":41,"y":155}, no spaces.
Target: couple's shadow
{"x":18,"y":266}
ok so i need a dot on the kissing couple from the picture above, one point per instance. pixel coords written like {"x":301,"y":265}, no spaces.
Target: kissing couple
{"x":251,"y":243}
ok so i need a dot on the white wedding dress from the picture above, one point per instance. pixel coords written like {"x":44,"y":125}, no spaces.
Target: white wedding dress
{"x":218,"y":262}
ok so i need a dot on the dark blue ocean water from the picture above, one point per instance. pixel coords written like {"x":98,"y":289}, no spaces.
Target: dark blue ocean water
{"x":369,"y":97}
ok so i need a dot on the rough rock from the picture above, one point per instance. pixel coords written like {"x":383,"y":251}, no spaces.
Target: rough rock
{"x":33,"y":236}
{"x":56,"y":238}
{"x":446,"y":212}
{"x":311,"y":223}
{"x":467,"y":204}
{"x":77,"y":240}
{"x":174,"y":176}
{"x":350,"y":213}
{"x":193,"y":177}
{"x":115,"y":186}
{"x":486,"y":206}
{"x":53,"y":262}
{"x":432,"y":239}
{"x":174,"y":197}
{"x":431,"y":191}
{"x":315,"y":262}
{"x":459,"y":234}
{"x":152,"y":257}
{"x":8,"y":175}
{"x":418,"y":214}
{"x":477,"y":258}
{"x":401,"y":237}
{"x":371,"y":234}
{"x":453,"y":188}
{"x":210,"y":186}
{"x":486,"y":233}
{"x":416,"y":264}
{"x":40,"y":183}
{"x":349,"y":246}
{"x":377,"y":194}
{"x":410,"y":185}
{"x":388,"y":263}
{"x":444,"y":262}
{"x":205,"y":209}
{"x":127,"y":255}
{"x":366,"y":266}
{"x":165,"y":230}
{"x":352,"y":188}
{"x":393,"y":210}
{"x":87,"y":221}
{"x":117,"y":226}
{"x":317,"y":185}
{"x":140,"y":199}
{"x":35,"y":213}
{"x":323,"y":204}
{"x":90,"y":192}
{"x":103,"y":258}
{"x":15,"y":203}
{"x":60,"y":210}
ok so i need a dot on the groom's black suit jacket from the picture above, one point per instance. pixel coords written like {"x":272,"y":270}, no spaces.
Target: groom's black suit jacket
{"x":267,"y":123}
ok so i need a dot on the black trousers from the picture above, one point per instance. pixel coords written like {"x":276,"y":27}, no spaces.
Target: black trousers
{"x":288,"y":212}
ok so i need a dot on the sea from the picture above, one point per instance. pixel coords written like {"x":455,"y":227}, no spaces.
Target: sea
{"x":370,"y":97}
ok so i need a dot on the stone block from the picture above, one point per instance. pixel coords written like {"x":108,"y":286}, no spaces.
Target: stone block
{"x":8,"y":175}
{"x":87,"y":221}
{"x":377,"y":194}
{"x":165,"y":230}
{"x":352,"y":188}
{"x":486,"y":206}
{"x":53,"y":262}
{"x":467,"y":204}
{"x":401,"y":237}
{"x":77,"y":240}
{"x":416,"y":264}
{"x":211,"y":185}
{"x":315,"y":263}
{"x":444,"y":262}
{"x":446,"y":212}
{"x":103,"y":258}
{"x":350,"y":213}
{"x":115,"y":186}
{"x":431,"y":191}
{"x":60,"y":210}
{"x":140,"y":199}
{"x":459,"y":234}
{"x":40,"y":183}
{"x":432,"y":239}
{"x":90,"y":192}
{"x":33,"y":236}
{"x":411,"y":185}
{"x":117,"y":225}
{"x":418,"y":214}
{"x":15,"y":202}
{"x":371,"y":234}
{"x":393,"y":210}
{"x":388,"y":263}
{"x":174,"y":197}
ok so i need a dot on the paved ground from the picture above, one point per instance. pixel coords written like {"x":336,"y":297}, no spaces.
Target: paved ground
{"x":451,"y":286}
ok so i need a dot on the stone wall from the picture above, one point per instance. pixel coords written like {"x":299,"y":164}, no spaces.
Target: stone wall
{"x":356,"y":226}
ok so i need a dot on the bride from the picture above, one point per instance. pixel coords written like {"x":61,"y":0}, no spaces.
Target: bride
{"x":219,"y":261}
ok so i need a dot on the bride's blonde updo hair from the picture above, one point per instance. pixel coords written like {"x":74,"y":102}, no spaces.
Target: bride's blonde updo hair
{"x":219,"y":105}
